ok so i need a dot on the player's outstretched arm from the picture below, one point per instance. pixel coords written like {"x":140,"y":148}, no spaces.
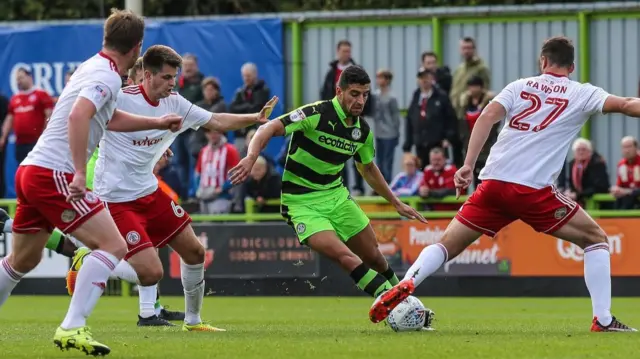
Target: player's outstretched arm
{"x":224,"y":122}
{"x":629,"y":106}
{"x":492,"y":114}
{"x":122,"y":121}
{"x":240,"y":172}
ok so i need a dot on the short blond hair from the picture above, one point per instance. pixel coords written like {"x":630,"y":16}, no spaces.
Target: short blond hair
{"x":123,"y":31}
{"x":134,"y":70}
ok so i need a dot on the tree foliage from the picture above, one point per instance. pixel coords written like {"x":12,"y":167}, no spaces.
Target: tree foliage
{"x":16,"y":10}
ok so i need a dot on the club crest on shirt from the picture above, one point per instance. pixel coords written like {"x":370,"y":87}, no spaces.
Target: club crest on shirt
{"x":68,"y":215}
{"x":133,"y":237}
{"x":297,"y":116}
{"x":356,"y":134}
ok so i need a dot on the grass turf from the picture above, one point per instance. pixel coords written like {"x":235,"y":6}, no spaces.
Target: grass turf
{"x":327,"y":327}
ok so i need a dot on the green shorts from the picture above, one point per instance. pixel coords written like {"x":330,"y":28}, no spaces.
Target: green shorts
{"x":338,"y":213}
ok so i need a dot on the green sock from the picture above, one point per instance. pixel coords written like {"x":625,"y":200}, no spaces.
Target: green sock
{"x":370,"y":281}
{"x":55,"y":241}
{"x":391,"y":276}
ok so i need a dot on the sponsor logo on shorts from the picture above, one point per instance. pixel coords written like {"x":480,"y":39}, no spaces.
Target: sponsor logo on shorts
{"x":356,"y":134}
{"x":68,"y":215}
{"x":133,"y":237}
{"x":91,"y":198}
{"x":560,"y":213}
{"x":300,"y":228}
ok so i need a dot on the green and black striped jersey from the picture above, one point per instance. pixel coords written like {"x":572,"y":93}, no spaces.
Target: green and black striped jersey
{"x":321,"y":143}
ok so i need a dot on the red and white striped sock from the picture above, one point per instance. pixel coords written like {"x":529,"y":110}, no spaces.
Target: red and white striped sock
{"x":597,"y":275}
{"x":90,"y":284}
{"x":9,"y":278}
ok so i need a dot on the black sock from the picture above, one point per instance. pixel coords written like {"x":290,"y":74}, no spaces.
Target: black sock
{"x":370,"y":281}
{"x":391,"y":276}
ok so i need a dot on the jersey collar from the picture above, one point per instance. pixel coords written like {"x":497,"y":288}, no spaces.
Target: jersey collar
{"x":146,"y":97}
{"x":342,"y":115}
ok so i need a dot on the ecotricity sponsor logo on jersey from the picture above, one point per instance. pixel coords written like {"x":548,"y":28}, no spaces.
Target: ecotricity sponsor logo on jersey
{"x":338,"y":143}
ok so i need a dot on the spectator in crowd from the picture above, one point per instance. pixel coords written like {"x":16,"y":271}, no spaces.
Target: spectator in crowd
{"x":442,"y":74}
{"x":238,"y":194}
{"x":328,"y":91}
{"x":406,"y":183}
{"x":4,"y":110}
{"x":431,"y":121}
{"x":585,"y":175}
{"x":472,"y":65}
{"x":189,"y":86}
{"x":263,"y":184}
{"x":627,"y":188}
{"x":249,"y":98}
{"x":157,"y":169}
{"x":212,"y":167}
{"x":27,"y":116}
{"x":136,"y":74}
{"x":473,"y":101}
{"x":212,"y":102}
{"x":437,"y":180}
{"x":387,"y":123}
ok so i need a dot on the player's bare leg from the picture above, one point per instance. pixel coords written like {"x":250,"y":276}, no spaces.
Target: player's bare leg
{"x":455,"y":239}
{"x":101,"y":233}
{"x":368,"y":280}
{"x":584,"y":232}
{"x":145,"y":269}
{"x":192,"y":253}
{"x":26,"y":252}
{"x":365,"y":246}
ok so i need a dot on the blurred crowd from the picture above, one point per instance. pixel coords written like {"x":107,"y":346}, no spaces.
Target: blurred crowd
{"x":442,"y":111}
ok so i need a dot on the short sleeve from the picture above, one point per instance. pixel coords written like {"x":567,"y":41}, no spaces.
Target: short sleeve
{"x":46,"y":100}
{"x":508,"y":95}
{"x":367,"y":152}
{"x":596,"y":97}
{"x":103,"y":89}
{"x":193,"y":116}
{"x":300,"y":119}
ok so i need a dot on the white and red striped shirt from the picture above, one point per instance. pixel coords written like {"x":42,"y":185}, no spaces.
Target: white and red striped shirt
{"x":214,"y":163}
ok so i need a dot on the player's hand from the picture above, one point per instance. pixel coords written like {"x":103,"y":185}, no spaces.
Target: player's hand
{"x":171,"y":122}
{"x":263,"y":115}
{"x":241,"y":171}
{"x":77,"y":187}
{"x":409,"y":212}
{"x":167,"y":154}
{"x":462,"y":179}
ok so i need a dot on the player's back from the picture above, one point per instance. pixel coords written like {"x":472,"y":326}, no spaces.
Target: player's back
{"x":544,"y":115}
{"x":97,"y":80}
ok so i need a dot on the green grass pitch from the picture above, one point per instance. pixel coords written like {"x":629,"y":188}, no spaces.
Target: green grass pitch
{"x":328,"y":327}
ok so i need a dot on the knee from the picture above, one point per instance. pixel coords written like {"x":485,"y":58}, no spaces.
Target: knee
{"x":594,"y":235}
{"x":150,"y":276}
{"x":25,"y":264}
{"x":348,"y":260}
{"x":195,"y":255}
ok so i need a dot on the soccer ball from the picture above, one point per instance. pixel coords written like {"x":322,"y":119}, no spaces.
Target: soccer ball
{"x":410,"y":315}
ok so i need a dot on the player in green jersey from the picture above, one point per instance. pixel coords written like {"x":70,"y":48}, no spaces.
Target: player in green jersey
{"x":314,"y":200}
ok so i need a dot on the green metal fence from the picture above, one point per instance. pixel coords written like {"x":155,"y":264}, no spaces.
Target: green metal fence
{"x":583,"y":18}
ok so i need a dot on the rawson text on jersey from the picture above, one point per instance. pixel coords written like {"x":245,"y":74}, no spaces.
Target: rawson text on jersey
{"x":547,"y":88}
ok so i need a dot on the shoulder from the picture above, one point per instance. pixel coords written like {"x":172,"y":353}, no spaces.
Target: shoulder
{"x":450,"y":168}
{"x":129,"y":92}
{"x":622,"y":162}
{"x":428,"y":169}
